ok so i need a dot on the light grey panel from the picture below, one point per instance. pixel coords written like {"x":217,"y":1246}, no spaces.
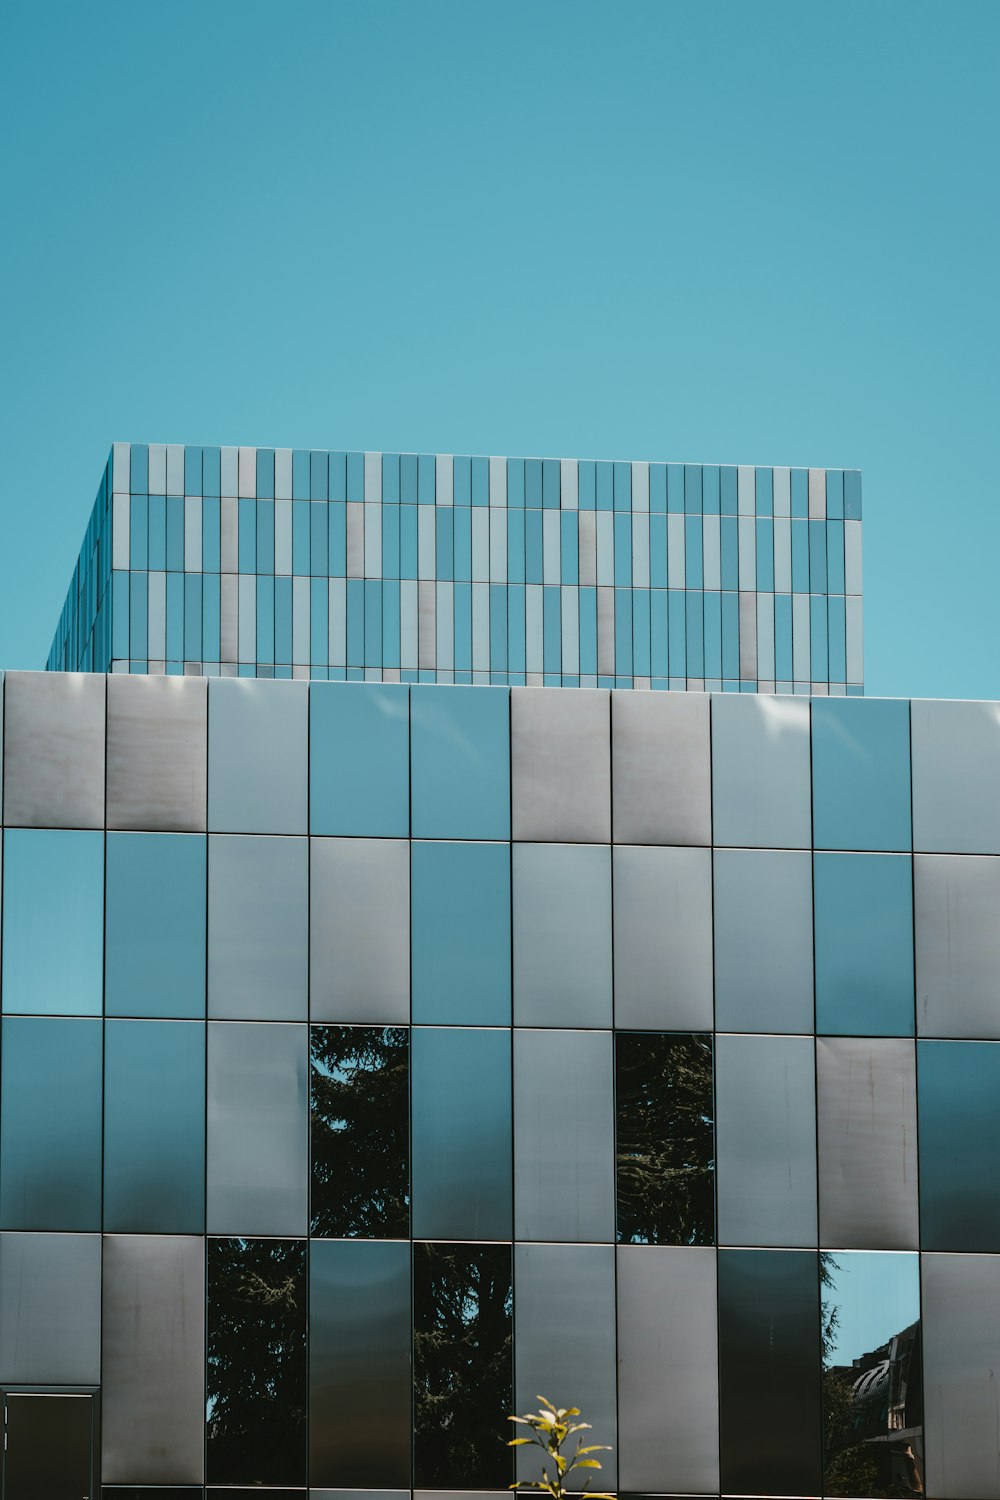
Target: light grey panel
{"x":763,"y":940}
{"x":668,"y":1369}
{"x":761,"y":771}
{"x":766,"y":1140}
{"x":258,"y":756}
{"x":258,"y":928}
{"x":50,"y":1309}
{"x":564,"y":1341}
{"x":561,"y":765}
{"x":258,"y":1128}
{"x":663,"y":938}
{"x":961,"y":1331}
{"x":153,"y":1427}
{"x":661,"y":768}
{"x":957,"y":931}
{"x":359,"y":1361}
{"x":564,"y":1170}
{"x":53,"y":767}
{"x":956,"y":777}
{"x":562,"y":934}
{"x":360,"y":930}
{"x":157,"y":753}
{"x":867,"y":1125}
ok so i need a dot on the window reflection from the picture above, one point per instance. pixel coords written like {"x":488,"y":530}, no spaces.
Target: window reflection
{"x":462,"y":1309}
{"x":872,"y":1391}
{"x":360,"y":1135}
{"x":665,"y":1140}
{"x":256,"y":1385}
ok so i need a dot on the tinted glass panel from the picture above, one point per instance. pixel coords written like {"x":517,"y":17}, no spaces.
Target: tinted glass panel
{"x":258,"y":928}
{"x":360,"y":1131}
{"x":665,"y":1138}
{"x":460,"y":750}
{"x":861,"y":773}
{"x":359,"y":757}
{"x":958,"y":1103}
{"x":53,"y":921}
{"x":155,"y":925}
{"x":154,"y":1127}
{"x":763,"y":940}
{"x":462,"y":1306}
{"x":256,"y":1389}
{"x":461,"y":934}
{"x":864,"y":944}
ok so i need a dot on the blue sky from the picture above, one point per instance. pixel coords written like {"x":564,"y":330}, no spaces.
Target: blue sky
{"x":675,"y":229}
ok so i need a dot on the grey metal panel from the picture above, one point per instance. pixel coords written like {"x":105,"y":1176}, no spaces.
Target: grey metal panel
{"x":763,"y":940}
{"x":228,"y":461}
{"x":562,"y":934}
{"x":606,"y":631}
{"x":663,"y":938}
{"x":564,"y":1340}
{"x":956,"y":777}
{"x":355,"y":539}
{"x":258,"y":928}
{"x":258,"y":756}
{"x":229,"y":537}
{"x":153,"y":1426}
{"x":817,"y":494}
{"x":426,"y":622}
{"x":957,"y":931}
{"x":761,"y":771}
{"x":258,"y":1128}
{"x":867,"y":1127}
{"x":283,"y":473}
{"x":50,"y":1309}
{"x":359,"y":1362}
{"x":748,"y":636}
{"x":561,"y":765}
{"x":360,"y":930}
{"x":587,"y":548}
{"x":668,"y":1369}
{"x":661,"y":768}
{"x":766,"y":1140}
{"x":53,"y":754}
{"x":564,"y":1171}
{"x":157,"y":753}
{"x":157,"y":470}
{"x":961,"y":1332}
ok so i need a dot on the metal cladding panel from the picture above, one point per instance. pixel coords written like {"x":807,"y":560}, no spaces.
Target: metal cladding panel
{"x":763,"y":919}
{"x":561,"y":766}
{"x":153,"y":1353}
{"x":50,"y":1309}
{"x":53,"y":768}
{"x":867,"y":1135}
{"x":956,"y":774}
{"x":957,"y":926}
{"x":663,"y":938}
{"x":360,"y":930}
{"x":258,"y":753}
{"x":668,"y":1372}
{"x":760,"y":771}
{"x":562,"y":934}
{"x":961,"y":1313}
{"x":661,"y":768}
{"x":157,"y":753}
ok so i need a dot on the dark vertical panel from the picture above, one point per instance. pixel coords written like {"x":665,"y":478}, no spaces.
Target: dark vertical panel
{"x":462,"y":1307}
{"x":769,"y":1372}
{"x":359,"y":1363}
{"x":958,"y":1117}
{"x":256,"y":1387}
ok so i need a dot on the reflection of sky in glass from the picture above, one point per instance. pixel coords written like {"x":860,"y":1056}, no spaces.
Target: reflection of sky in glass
{"x":876,"y":1294}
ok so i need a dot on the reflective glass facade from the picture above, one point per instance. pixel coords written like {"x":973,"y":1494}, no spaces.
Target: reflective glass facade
{"x":375,"y":1056}
{"x":259,"y":562}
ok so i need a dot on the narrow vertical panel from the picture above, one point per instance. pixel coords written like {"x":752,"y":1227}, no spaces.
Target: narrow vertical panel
{"x":360,"y":930}
{"x":765,"y":1090}
{"x":460,"y":758}
{"x":961,"y":1315}
{"x":769,"y":1372}
{"x":153,"y":1353}
{"x":564,"y":1340}
{"x":668,"y":1398}
{"x":562,"y":934}
{"x":257,"y":757}
{"x":861,"y":773}
{"x":661,"y":768}
{"x":258,"y":928}
{"x":958,"y":1104}
{"x":958,"y":944}
{"x":663,"y":938}
{"x":359,"y":1363}
{"x":460,"y":957}
{"x":50,"y":1309}
{"x":53,"y":921}
{"x":564,"y":1184}
{"x":956,"y":752}
{"x":763,"y":940}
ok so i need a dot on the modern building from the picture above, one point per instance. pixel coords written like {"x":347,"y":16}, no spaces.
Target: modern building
{"x":377,"y":1054}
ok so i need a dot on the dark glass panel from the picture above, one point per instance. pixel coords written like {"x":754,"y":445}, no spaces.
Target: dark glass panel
{"x":958,"y":1130}
{"x":48,"y":1446}
{"x":256,"y":1386}
{"x":769,"y":1372}
{"x":129,"y":1492}
{"x":665,"y":1143}
{"x":359,"y":1111}
{"x":462,"y":1351}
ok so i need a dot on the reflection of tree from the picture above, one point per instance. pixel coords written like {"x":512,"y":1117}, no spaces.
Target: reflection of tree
{"x":256,"y":1361}
{"x":462,"y":1302}
{"x":360,"y":1157}
{"x":665,"y":1143}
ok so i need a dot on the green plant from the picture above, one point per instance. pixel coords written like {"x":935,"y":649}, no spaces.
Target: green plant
{"x":551,"y":1428}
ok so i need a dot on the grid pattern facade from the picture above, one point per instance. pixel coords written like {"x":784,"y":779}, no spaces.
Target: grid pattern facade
{"x":374,"y":1057}
{"x":433,"y":568}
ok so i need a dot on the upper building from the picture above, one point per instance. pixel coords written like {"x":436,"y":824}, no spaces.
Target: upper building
{"x":260,"y":562}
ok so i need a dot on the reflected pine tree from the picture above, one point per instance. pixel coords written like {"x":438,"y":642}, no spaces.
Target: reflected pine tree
{"x":463,"y":1305}
{"x":256,"y":1384}
{"x":665,"y":1138}
{"x":360,"y":1131}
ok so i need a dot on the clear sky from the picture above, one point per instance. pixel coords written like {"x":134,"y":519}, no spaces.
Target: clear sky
{"x":676,"y":229}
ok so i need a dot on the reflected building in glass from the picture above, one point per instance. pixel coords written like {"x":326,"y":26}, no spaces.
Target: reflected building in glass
{"x":383,"y":1046}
